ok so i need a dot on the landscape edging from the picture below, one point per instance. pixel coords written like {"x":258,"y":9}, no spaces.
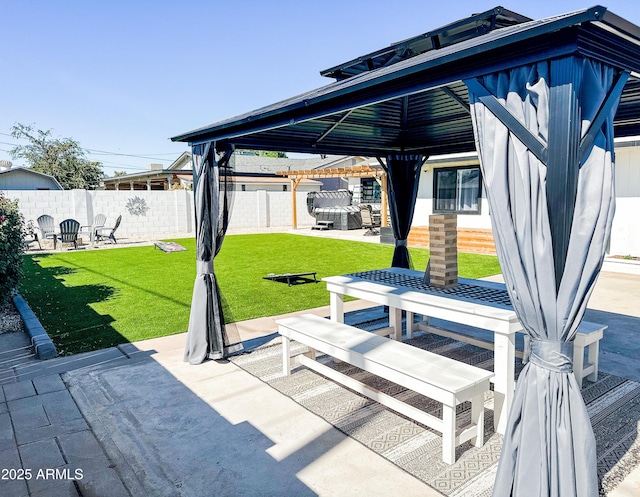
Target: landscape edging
{"x":42,"y":344}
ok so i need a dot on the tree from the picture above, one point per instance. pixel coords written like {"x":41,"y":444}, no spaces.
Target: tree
{"x":119,"y":173}
{"x":264,"y":153}
{"x":61,"y":158}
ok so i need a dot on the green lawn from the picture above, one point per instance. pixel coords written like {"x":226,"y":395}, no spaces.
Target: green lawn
{"x":88,"y":300}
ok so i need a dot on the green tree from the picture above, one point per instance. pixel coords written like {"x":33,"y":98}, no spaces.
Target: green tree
{"x":61,"y":158}
{"x":264,"y":153}
{"x":119,"y":173}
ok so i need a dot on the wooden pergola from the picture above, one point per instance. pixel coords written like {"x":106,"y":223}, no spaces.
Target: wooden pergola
{"x":358,"y":171}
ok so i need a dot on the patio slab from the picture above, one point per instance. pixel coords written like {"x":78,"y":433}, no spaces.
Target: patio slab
{"x":210,"y":420}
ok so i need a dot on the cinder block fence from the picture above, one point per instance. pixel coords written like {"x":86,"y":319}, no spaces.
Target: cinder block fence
{"x":158,"y":212}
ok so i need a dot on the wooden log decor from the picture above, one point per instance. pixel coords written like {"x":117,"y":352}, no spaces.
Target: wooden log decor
{"x":443,"y":246}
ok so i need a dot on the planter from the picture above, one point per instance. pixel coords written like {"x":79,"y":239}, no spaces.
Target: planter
{"x":616,"y":265}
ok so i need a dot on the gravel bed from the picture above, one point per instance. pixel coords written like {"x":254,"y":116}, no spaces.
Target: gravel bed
{"x":10,"y":320}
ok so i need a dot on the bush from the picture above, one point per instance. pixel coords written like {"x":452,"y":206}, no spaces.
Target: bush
{"x":11,"y":226}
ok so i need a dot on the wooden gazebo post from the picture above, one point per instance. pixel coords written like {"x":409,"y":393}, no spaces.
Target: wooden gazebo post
{"x":382,"y":181}
{"x":294,"y":201}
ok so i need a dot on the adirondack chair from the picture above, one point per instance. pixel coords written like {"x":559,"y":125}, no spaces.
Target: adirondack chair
{"x":69,"y":229}
{"x":101,"y":232}
{"x":47,"y":228}
{"x":98,"y":222}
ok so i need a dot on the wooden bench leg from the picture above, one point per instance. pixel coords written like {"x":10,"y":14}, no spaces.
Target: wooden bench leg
{"x":286,"y":356}
{"x":593,"y":352}
{"x":395,"y":321}
{"x":409,"y":324}
{"x":477,"y":418}
{"x":448,"y":434}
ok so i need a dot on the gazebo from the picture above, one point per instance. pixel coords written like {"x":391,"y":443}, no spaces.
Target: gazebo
{"x":540,"y":101}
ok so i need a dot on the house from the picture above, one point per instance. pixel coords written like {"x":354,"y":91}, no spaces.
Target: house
{"x":252,"y":173}
{"x":452,"y":184}
{"x":22,"y":178}
{"x":178,"y":174}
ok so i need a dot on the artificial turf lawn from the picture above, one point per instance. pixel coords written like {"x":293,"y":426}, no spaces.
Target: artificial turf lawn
{"x":88,"y":300}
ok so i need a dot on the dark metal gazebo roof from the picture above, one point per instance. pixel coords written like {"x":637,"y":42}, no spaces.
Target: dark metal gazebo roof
{"x":444,"y":36}
{"x":420,"y":104}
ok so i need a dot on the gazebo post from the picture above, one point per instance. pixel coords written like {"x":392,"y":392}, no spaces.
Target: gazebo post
{"x":294,"y":201}
{"x":382,"y":181}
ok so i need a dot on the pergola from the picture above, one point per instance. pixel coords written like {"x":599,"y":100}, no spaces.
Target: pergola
{"x":357,"y":171}
{"x":540,"y":101}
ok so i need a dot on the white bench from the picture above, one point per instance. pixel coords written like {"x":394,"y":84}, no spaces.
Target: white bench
{"x":440,"y":378}
{"x":589,"y":336}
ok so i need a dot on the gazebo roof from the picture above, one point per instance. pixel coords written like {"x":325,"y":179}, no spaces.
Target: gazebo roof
{"x":444,"y":36}
{"x":420,"y":104}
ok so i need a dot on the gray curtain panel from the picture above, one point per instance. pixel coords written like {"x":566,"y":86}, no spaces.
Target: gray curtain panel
{"x":549,"y":447}
{"x":207,"y":336}
{"x":403,"y":174}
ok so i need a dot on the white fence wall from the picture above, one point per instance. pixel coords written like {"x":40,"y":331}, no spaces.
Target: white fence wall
{"x":158,"y":212}
{"x":268,"y":209}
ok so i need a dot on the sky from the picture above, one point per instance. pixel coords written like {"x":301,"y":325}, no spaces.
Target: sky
{"x":122,"y":77}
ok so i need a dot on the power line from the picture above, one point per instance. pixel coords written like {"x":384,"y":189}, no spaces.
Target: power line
{"x":91,"y":151}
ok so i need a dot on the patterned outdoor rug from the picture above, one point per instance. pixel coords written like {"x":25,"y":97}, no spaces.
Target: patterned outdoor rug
{"x":613,"y":404}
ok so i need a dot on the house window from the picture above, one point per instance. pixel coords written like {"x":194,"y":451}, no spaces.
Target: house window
{"x":457,"y":190}
{"x":369,"y":191}
{"x":244,"y":188}
{"x":284,"y":188}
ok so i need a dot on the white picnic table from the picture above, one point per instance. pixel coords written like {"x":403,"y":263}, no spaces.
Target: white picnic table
{"x":399,"y":289}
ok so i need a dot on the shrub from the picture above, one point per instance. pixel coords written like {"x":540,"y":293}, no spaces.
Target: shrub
{"x":11,"y":226}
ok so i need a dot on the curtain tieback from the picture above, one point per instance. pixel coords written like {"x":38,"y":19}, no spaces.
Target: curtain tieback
{"x":548,"y":354}
{"x":401,"y":243}
{"x":204,"y":267}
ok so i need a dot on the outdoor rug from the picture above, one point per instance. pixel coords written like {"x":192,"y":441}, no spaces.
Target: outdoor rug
{"x":613,"y":404}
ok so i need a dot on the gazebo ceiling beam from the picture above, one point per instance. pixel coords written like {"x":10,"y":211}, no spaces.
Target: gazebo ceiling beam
{"x":457,"y":99}
{"x":602,"y":115}
{"x":334,"y":126}
{"x":531,"y":141}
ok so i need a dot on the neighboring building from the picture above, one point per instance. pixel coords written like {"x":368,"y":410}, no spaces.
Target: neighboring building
{"x":254,"y":172}
{"x":248,"y":182}
{"x":156,"y":178}
{"x":21,"y":178}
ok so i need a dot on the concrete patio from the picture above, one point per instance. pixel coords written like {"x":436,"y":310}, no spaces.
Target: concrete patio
{"x":215,"y":429}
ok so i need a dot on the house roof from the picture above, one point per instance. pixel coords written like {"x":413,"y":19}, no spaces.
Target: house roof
{"x":245,"y":164}
{"x":26,"y":170}
{"x":262,"y":164}
{"x":152,"y":173}
{"x":420,"y":104}
{"x":181,"y":162}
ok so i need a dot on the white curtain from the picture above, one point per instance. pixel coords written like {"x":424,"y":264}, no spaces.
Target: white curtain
{"x":549,"y":447}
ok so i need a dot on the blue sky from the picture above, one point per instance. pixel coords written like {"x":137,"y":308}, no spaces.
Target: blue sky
{"x":121,"y":77}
